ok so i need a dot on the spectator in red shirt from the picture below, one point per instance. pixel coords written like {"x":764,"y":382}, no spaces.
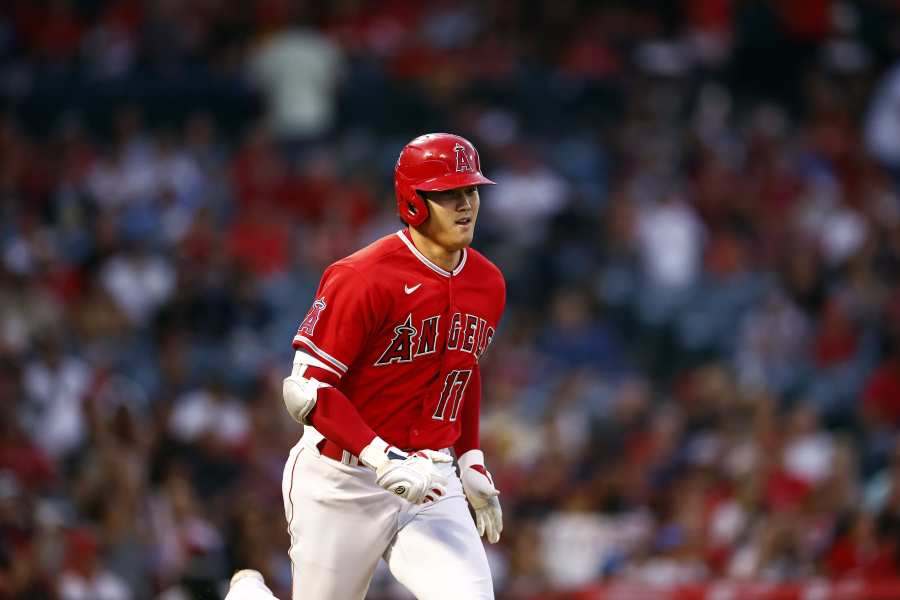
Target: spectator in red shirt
{"x":881,"y":398}
{"x":859,"y":552}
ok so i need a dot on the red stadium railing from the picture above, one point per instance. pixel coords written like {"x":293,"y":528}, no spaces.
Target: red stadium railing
{"x":728,"y":590}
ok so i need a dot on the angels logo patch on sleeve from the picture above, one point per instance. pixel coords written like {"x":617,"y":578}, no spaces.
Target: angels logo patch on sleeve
{"x":308,"y":325}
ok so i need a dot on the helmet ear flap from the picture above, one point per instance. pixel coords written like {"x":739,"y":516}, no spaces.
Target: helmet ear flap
{"x":411,"y":205}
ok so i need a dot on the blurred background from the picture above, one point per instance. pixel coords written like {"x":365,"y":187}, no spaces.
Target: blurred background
{"x":697,"y":381}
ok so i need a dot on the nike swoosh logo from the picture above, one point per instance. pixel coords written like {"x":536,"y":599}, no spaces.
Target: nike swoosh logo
{"x":410,"y":290}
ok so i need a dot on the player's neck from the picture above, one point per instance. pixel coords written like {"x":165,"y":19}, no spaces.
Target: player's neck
{"x":445,"y":259}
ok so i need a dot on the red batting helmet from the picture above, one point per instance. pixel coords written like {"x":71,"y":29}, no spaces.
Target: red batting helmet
{"x":433,"y":162}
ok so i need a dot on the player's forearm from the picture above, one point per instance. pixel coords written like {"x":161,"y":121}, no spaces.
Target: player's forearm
{"x":469,"y":436}
{"x":468,"y":440}
{"x":339,"y":421}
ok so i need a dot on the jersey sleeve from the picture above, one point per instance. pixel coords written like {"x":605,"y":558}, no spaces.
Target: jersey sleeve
{"x":341,"y":318}
{"x":470,"y":413}
{"x":502,"y":297}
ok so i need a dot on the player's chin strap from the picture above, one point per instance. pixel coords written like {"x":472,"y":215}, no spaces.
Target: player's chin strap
{"x":301,"y":392}
{"x":482,"y":495}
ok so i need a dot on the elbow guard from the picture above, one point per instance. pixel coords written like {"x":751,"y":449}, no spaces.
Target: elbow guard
{"x":300,"y":396}
{"x":299,"y":391}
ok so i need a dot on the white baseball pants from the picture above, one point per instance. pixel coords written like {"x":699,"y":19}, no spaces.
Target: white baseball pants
{"x":342,"y":523}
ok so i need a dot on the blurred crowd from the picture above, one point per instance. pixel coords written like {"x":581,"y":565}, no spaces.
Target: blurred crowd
{"x":698,"y":216}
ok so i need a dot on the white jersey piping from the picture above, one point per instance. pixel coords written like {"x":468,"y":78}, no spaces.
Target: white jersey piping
{"x":309,"y":343}
{"x":428,"y":263}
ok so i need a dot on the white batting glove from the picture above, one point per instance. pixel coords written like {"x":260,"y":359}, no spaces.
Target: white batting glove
{"x":413,"y":477}
{"x":479,"y":488}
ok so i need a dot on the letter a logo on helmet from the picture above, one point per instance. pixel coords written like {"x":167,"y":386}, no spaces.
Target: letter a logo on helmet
{"x":462,"y":161}
{"x":434,"y":162}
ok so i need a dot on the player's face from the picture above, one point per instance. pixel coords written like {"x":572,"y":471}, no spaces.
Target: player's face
{"x":452,"y":216}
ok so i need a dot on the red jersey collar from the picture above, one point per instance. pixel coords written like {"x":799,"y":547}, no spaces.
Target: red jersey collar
{"x":403,"y":234}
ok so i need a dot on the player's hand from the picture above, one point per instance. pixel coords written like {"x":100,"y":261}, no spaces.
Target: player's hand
{"x":414,"y":477}
{"x":482,"y":495}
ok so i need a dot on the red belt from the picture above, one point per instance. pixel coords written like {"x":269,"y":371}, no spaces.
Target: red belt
{"x":329,"y":449}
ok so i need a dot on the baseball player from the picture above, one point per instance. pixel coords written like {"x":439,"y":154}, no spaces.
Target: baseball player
{"x":386,"y":379}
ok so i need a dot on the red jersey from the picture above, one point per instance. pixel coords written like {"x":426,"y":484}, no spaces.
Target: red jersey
{"x":404,"y":336}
